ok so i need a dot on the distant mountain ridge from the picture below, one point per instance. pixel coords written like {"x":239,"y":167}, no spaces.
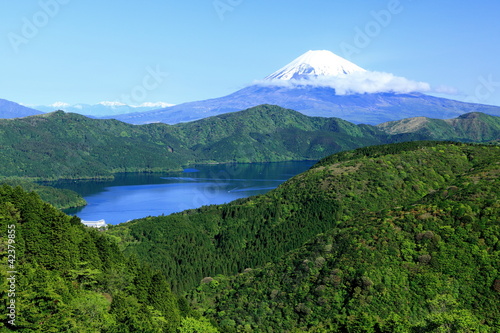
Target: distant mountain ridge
{"x":10,"y":109}
{"x":66,"y":145}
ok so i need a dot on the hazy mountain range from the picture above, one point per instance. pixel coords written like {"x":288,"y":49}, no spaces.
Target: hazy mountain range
{"x":102,"y":109}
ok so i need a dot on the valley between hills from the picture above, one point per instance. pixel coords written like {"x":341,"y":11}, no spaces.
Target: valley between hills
{"x":395,"y":229}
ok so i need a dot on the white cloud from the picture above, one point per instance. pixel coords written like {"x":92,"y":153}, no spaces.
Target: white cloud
{"x":358,"y":83}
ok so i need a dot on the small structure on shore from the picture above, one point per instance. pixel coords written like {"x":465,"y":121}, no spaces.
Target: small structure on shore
{"x":95,"y":224}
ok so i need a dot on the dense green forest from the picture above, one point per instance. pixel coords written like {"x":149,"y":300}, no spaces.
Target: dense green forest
{"x":59,"y":276}
{"x":430,"y":266}
{"x":398,"y":238}
{"x":62,"y":145}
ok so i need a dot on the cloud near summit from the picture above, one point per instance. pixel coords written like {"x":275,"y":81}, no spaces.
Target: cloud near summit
{"x":356,"y":83}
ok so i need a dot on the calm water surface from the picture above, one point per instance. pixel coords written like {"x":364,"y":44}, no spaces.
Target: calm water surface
{"x":131,"y":196}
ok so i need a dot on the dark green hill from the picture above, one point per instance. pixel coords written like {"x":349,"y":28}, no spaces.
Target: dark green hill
{"x":391,"y":238}
{"x":271,"y":133}
{"x":470,"y":127}
{"x":65,"y":145}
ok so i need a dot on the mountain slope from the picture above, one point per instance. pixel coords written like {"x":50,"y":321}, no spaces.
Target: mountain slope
{"x":408,"y":242}
{"x":61,"y":145}
{"x":10,"y":109}
{"x":475,"y":126}
{"x":271,"y":133}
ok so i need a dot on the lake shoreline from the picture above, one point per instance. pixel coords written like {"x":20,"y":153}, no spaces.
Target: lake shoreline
{"x":137,"y":195}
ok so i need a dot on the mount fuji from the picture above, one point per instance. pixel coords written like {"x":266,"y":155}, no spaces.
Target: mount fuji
{"x":320,"y":83}
{"x":315,"y":64}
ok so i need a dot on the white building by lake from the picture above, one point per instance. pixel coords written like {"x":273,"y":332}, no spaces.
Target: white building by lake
{"x":95,"y":224}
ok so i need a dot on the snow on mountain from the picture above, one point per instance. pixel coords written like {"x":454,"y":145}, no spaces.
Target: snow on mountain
{"x":313,"y":64}
{"x":59,"y":105}
{"x":326,"y":69}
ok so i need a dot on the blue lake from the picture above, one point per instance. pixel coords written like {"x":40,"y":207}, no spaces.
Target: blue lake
{"x":131,"y":196}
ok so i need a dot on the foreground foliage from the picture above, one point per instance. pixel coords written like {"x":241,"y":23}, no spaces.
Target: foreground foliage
{"x":69,"y":278}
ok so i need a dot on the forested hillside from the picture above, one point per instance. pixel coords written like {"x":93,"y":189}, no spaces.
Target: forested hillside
{"x":65,"y":145}
{"x":398,"y":238}
{"x":59,"y":276}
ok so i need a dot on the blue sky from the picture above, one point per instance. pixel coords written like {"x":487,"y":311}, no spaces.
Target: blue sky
{"x":179,"y":51}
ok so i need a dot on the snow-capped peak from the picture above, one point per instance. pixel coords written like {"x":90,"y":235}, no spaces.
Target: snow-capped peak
{"x":59,"y":105}
{"x":313,"y":64}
